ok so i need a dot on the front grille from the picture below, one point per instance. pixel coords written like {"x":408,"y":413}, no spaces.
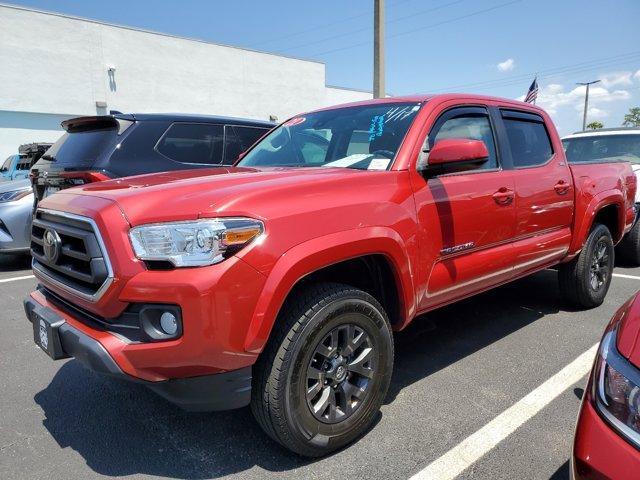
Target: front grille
{"x":67,"y":250}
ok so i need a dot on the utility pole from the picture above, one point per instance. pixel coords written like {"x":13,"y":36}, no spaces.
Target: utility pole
{"x":378,"y":49}
{"x":586,"y":102}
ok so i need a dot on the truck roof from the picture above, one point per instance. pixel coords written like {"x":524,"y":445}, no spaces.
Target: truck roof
{"x":420,"y":98}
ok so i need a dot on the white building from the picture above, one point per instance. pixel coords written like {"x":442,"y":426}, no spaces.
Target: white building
{"x":55,"y":66}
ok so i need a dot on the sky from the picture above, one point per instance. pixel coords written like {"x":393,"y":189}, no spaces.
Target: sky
{"x":493,"y":47}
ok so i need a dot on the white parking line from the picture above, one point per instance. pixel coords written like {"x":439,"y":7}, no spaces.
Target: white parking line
{"x":472,"y":448}
{"x":622,"y":275}
{"x":13,"y":279}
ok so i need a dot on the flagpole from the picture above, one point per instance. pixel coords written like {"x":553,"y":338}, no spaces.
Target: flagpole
{"x":535,"y":79}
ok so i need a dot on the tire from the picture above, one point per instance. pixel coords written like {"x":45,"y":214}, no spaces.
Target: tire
{"x":299,"y":359}
{"x":578,"y":286}
{"x":629,"y":248}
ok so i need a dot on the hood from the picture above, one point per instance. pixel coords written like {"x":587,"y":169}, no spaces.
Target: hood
{"x":628,"y":339}
{"x":232,"y":191}
{"x":11,"y":185}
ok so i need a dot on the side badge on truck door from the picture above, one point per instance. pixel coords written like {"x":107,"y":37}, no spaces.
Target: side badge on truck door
{"x":457,"y":248}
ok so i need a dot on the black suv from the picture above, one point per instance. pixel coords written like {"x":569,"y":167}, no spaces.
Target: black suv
{"x":110,"y":146}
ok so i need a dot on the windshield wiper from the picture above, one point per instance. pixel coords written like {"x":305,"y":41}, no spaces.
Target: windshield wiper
{"x":51,"y":158}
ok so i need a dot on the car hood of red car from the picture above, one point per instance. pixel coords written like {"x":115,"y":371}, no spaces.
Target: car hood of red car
{"x":628,"y":337}
{"x":229,"y":191}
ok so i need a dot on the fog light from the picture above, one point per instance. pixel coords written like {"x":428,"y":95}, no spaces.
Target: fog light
{"x":169,"y":323}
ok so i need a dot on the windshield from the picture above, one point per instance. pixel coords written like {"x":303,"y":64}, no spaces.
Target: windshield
{"x":602,"y":148}
{"x":364,"y":137}
{"x":7,"y":164}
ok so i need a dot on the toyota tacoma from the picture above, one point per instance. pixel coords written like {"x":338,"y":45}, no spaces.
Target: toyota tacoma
{"x":277,"y":283}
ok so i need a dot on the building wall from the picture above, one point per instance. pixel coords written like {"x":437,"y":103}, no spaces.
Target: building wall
{"x":55,"y":66}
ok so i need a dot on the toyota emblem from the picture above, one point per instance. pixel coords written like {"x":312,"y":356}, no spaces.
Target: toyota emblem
{"x":51,"y":245}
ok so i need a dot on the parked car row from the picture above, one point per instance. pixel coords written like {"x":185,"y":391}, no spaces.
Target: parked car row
{"x":17,"y":166}
{"x":277,"y":282}
{"x":98,"y":148}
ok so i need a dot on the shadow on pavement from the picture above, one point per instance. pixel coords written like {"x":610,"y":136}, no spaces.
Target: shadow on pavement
{"x":123,"y":429}
{"x":447,"y":335}
{"x":562,"y":473}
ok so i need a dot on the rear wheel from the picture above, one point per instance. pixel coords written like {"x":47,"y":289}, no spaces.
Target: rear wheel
{"x":584,"y":282}
{"x":629,"y":248}
{"x":326,"y":370}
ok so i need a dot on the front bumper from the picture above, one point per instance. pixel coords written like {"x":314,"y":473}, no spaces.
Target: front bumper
{"x":222,"y":391}
{"x":15,"y":225}
{"x":598,"y":451}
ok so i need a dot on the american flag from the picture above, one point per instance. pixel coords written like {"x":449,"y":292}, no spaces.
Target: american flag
{"x":532,"y":94}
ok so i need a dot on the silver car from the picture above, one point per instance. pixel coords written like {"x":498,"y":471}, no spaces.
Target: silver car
{"x":16,"y":206}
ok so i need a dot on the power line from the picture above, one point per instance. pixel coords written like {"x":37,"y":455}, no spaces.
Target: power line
{"x":426,"y":27}
{"x":368,"y":28}
{"x":322,"y":27}
{"x":550,"y":72}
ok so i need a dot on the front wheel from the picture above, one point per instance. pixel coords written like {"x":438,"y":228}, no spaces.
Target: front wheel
{"x":325,"y":372}
{"x":584,"y":281}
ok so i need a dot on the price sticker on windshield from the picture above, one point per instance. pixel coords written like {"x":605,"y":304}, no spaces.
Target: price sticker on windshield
{"x":378,"y":164}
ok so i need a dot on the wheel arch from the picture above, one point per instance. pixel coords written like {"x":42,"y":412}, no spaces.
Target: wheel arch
{"x":376,"y":252}
{"x":606,"y":208}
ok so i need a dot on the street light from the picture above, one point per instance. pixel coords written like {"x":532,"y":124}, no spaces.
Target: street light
{"x":586,"y":102}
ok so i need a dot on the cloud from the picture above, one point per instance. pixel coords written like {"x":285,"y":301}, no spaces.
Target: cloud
{"x":616,"y":78}
{"x":508,"y":65}
{"x":554,"y":97}
{"x":595,"y":113}
{"x":637,"y":75}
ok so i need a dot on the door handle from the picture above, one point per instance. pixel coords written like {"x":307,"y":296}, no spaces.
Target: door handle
{"x":504,"y":196}
{"x":561,"y":187}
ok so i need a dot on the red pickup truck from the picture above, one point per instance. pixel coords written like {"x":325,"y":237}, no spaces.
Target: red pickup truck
{"x":278,"y":282}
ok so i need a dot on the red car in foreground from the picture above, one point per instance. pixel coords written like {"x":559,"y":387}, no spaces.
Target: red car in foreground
{"x":278,"y":282}
{"x":607,"y":441}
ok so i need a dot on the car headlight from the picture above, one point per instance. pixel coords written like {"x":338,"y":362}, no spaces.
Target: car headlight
{"x":617,"y":390}
{"x":14,"y":195}
{"x":194,"y":244}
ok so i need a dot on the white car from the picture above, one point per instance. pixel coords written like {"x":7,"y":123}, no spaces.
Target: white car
{"x":611,"y":144}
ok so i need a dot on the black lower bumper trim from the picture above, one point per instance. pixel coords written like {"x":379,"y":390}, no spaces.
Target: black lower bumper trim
{"x":222,"y":391}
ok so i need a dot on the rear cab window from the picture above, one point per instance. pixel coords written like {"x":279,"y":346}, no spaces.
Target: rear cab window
{"x":527,"y":138}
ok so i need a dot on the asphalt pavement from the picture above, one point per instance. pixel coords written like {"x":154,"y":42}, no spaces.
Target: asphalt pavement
{"x":457,"y":369}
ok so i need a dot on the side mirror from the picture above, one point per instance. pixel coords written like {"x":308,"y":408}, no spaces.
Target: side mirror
{"x":458,"y":151}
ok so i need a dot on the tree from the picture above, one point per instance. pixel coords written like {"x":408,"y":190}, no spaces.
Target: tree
{"x":595,"y":125}
{"x":632,"y":119}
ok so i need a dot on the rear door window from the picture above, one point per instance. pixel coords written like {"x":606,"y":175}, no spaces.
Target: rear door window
{"x":238,"y":138}
{"x":528,"y":139}
{"x":193,"y":143}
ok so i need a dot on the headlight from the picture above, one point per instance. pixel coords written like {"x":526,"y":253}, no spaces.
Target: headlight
{"x":617,"y":391}
{"x":194,"y":244}
{"x":14,"y":195}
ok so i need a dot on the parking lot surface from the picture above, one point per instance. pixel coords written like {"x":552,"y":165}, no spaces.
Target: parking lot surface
{"x":456,"y":370}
